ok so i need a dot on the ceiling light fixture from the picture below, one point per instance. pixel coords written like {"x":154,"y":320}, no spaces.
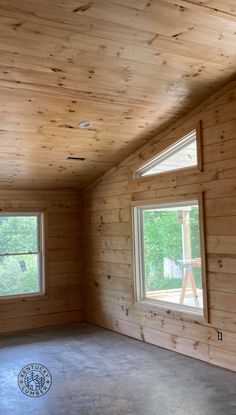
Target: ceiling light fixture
{"x":85,"y":124}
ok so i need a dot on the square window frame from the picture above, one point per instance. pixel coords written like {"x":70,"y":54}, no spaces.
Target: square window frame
{"x":136,"y":176}
{"x":166,"y":308}
{"x":42,"y":225}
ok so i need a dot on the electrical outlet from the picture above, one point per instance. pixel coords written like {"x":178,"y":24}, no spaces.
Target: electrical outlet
{"x":66,"y":301}
{"x":220,"y":336}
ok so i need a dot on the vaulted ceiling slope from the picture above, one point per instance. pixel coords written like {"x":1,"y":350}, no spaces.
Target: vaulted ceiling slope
{"x":131,"y":67}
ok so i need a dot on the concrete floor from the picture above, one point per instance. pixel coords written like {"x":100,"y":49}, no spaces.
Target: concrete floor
{"x":97,"y":372}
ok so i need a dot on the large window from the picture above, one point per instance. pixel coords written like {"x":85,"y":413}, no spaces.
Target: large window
{"x":21,"y":262}
{"x":169,"y":255}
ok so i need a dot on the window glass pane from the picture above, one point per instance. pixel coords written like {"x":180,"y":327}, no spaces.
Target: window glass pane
{"x":18,"y":234}
{"x":172,"y":254}
{"x":19,"y":274}
{"x":181,"y":159}
{"x":180,"y":155}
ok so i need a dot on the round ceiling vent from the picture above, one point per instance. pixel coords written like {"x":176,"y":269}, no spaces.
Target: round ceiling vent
{"x":85,"y":124}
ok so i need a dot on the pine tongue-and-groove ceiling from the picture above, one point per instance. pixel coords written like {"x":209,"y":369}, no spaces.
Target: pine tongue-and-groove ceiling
{"x":131,"y":67}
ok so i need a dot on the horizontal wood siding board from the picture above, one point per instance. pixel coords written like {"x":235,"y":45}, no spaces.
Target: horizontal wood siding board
{"x":22,"y":323}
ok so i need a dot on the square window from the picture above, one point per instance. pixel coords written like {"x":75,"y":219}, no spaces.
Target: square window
{"x":169,"y":255}
{"x":21,"y":260}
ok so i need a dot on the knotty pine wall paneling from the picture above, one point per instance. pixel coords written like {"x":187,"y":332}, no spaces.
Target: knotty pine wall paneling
{"x":108,"y":238}
{"x":63,"y":301}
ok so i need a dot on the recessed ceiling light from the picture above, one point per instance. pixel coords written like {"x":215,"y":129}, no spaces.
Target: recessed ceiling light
{"x":76,"y":158}
{"x":85,"y":124}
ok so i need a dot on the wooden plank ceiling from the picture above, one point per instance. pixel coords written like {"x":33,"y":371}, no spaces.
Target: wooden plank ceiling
{"x":129,"y":66}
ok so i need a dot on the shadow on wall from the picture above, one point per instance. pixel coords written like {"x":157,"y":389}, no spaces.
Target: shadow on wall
{"x":196,"y":94}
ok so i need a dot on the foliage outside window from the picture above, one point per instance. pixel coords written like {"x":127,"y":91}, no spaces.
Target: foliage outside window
{"x":20,"y":254}
{"x":169,"y":255}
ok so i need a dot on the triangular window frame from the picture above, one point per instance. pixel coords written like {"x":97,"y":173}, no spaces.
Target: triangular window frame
{"x":179,"y":144}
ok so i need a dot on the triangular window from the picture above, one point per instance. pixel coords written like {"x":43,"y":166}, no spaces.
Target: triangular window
{"x":180,"y":155}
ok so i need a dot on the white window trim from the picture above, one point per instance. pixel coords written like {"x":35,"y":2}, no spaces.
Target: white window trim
{"x":138,"y":255}
{"x":40,"y":252}
{"x":183,"y":140}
